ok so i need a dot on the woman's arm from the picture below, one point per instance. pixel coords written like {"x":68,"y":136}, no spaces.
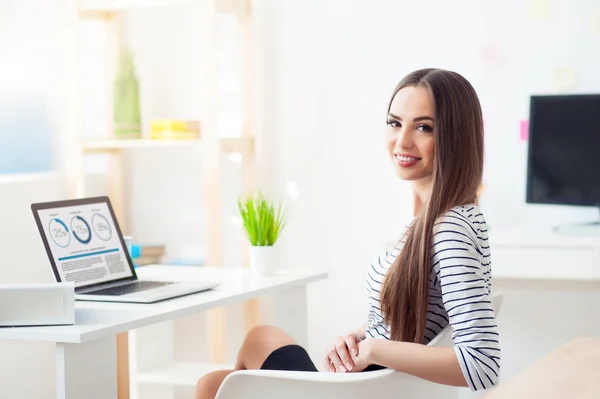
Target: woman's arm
{"x":462,"y":273}
{"x":463,"y":270}
{"x":433,"y":364}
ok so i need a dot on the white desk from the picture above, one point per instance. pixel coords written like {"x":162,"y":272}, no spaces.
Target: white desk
{"x":544,"y":255}
{"x":86,"y":353}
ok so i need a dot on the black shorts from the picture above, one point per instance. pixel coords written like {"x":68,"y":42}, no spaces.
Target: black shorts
{"x":295,"y":358}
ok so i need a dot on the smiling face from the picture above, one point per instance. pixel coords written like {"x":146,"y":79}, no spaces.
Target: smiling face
{"x":410,"y":135}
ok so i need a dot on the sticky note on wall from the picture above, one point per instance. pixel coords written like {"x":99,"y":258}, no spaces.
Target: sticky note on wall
{"x":524,"y":130}
{"x":538,"y":9}
{"x":563,"y":78}
{"x":493,"y":56}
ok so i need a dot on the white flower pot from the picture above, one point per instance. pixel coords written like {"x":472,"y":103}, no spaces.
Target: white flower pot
{"x":263,"y":260}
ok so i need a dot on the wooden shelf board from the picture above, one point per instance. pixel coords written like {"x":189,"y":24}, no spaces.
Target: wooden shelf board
{"x":100,"y":145}
{"x":179,"y":373}
{"x":243,"y":145}
{"x":122,"y":5}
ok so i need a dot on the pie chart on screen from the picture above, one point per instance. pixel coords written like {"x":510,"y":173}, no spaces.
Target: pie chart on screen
{"x":81,"y":229}
{"x":101,"y":227}
{"x":59,"y":232}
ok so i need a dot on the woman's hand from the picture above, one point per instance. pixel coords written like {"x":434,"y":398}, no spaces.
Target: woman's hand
{"x":363,"y":359}
{"x":341,"y":356}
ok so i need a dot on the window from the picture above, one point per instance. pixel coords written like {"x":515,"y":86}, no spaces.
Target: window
{"x":25,"y":84}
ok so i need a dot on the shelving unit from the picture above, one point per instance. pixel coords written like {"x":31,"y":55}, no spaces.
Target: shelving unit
{"x":178,"y":373}
{"x":138,"y":369}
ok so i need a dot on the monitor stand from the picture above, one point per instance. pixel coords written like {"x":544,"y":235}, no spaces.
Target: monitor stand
{"x":590,"y":228}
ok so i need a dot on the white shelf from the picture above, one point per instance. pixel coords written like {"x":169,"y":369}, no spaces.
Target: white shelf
{"x":243,"y":145}
{"x":544,"y":255}
{"x":179,"y":373}
{"x":100,"y":145}
{"x":544,"y":238}
{"x":121,"y":5}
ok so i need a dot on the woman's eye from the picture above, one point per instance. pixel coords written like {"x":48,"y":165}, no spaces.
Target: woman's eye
{"x":393,"y":123}
{"x":425,"y":128}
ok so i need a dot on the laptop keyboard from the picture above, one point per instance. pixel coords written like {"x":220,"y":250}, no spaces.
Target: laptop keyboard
{"x":129,"y":288}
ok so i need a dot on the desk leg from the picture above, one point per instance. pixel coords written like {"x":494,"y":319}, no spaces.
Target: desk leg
{"x":288,"y":310}
{"x":87,"y":370}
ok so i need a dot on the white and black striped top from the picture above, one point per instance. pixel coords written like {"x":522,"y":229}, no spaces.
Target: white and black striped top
{"x":459,"y":294}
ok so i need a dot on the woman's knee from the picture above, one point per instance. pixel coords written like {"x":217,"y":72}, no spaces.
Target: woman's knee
{"x":208,"y":385}
{"x":260,"y":342}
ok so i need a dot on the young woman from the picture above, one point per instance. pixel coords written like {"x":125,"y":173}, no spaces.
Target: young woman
{"x":439,"y":272}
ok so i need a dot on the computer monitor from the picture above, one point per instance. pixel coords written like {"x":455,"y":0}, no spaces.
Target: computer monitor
{"x":563,"y":165}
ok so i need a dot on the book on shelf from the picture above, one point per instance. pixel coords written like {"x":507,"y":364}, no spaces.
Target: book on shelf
{"x":147,"y":254}
{"x":168,"y":129}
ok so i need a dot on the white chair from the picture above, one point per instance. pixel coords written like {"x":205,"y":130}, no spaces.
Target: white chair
{"x":269,"y":384}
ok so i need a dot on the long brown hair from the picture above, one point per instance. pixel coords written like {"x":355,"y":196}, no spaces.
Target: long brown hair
{"x":457,"y":174}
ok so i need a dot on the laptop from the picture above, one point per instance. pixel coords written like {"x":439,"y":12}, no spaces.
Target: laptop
{"x":85,"y":246}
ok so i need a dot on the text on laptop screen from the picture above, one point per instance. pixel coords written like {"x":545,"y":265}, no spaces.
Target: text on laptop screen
{"x":85,"y":244}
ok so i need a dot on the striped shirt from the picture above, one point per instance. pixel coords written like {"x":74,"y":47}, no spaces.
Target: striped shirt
{"x":459,"y":294}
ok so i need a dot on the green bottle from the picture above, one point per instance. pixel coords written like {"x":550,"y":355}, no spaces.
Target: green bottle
{"x":126,"y":101}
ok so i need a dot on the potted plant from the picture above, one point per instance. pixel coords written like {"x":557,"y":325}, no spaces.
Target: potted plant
{"x":263,"y":223}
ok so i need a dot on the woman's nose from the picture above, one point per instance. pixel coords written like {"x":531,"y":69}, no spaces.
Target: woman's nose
{"x":404,"y":139}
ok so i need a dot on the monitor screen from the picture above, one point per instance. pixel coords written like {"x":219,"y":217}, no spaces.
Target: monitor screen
{"x":83,"y":243}
{"x":563,"y":165}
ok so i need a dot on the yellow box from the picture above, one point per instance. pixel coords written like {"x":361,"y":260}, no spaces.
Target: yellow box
{"x":174,"y":129}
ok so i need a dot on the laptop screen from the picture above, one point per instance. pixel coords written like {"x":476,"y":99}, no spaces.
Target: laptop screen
{"x":84,"y":244}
